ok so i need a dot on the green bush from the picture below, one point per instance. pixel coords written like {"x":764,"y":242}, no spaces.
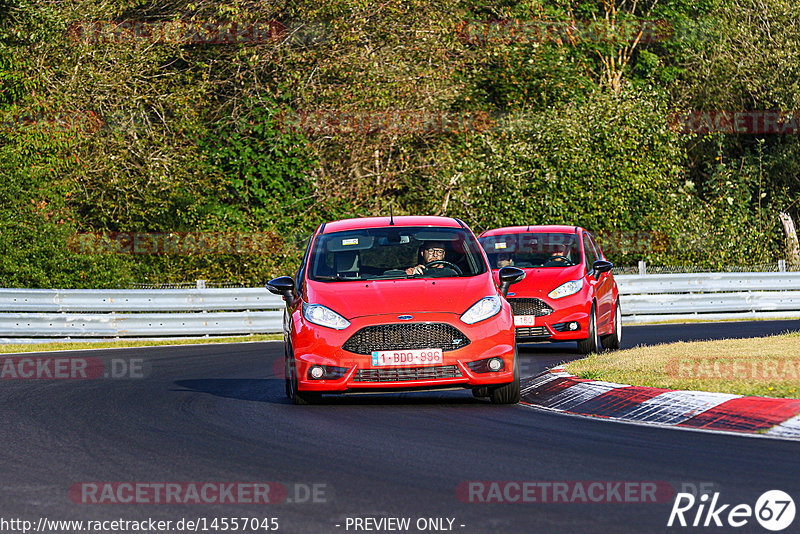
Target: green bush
{"x":163,"y":138}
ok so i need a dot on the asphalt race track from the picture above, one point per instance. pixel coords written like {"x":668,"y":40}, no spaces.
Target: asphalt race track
{"x":218,"y":413}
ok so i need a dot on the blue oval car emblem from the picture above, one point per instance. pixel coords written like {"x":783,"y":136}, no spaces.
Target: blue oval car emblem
{"x":405,"y":317}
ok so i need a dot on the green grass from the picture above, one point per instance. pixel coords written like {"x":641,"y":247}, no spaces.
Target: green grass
{"x":764,"y":366}
{"x":731,"y":320}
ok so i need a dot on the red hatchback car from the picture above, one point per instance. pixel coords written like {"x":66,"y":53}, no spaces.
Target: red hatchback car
{"x":397,"y":304}
{"x":569,"y":293}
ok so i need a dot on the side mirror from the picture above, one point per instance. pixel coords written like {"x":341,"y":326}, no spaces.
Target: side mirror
{"x":283,"y":286}
{"x":602,"y":266}
{"x":508,"y":276}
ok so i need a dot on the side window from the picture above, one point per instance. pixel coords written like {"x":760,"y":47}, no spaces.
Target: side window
{"x":597,"y":252}
{"x":298,"y":281}
{"x":589,"y":252}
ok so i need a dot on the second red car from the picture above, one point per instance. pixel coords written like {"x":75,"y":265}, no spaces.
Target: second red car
{"x":568,"y":293}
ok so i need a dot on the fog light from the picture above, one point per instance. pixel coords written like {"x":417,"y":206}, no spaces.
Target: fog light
{"x":317,"y":372}
{"x":487,"y":365}
{"x":574,"y":325}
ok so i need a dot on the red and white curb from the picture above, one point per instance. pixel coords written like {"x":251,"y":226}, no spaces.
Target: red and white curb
{"x":558,"y":390}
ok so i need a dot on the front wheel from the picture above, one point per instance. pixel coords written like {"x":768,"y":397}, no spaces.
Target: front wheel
{"x":507,"y":393}
{"x":297,"y":397}
{"x":592,"y":343}
{"x":614,"y":340}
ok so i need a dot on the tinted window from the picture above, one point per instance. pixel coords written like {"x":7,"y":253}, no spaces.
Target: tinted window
{"x":591,"y":256}
{"x":532,"y":249}
{"x":597,"y":252}
{"x":386,"y":253}
{"x":299,"y":277}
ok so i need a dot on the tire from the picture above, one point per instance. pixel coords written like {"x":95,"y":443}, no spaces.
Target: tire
{"x":286,"y":370}
{"x":614,"y":340}
{"x":287,"y":380}
{"x":507,"y":393}
{"x":592,"y":343}
{"x":297,"y":397}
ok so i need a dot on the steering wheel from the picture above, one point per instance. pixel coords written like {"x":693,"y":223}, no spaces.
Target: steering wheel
{"x":446,"y":264}
{"x":557,"y":260}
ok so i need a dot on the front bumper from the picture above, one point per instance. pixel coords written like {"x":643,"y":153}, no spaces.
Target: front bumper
{"x":554,"y":326}
{"x":316,"y":345}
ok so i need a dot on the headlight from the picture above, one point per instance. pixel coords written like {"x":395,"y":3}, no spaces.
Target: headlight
{"x":564,"y":290}
{"x":323,"y":316}
{"x":483,"y":309}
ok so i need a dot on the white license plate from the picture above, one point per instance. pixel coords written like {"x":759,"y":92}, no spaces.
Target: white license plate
{"x":407,"y":357}
{"x":524,"y":320}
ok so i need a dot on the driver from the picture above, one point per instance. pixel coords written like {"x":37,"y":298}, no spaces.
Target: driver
{"x":431,"y":251}
{"x":560,"y":254}
{"x":504,"y":259}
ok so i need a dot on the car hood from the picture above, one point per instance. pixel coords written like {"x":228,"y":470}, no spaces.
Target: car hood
{"x":405,"y":296}
{"x":539,"y":282}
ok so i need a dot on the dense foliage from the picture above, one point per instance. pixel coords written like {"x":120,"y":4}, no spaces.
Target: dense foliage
{"x":528,"y":111}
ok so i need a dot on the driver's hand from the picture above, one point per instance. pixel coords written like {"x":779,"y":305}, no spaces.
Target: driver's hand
{"x":415,"y":270}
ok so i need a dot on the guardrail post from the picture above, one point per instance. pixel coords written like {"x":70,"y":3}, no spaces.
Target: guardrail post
{"x":642,"y":267}
{"x":781,"y":266}
{"x":201,"y":284}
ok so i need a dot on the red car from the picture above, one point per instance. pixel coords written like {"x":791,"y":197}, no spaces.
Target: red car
{"x":397,"y":304}
{"x":569,"y":293}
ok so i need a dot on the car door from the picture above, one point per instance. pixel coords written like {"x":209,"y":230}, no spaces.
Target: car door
{"x":589,"y":258}
{"x":604,"y":290}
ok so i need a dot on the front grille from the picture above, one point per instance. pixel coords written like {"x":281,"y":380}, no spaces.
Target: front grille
{"x":404,"y":374}
{"x":406,"y":336}
{"x":532,"y":331}
{"x":530,"y":307}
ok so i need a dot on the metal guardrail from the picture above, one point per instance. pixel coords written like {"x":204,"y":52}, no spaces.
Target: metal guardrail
{"x":138,"y":324}
{"x":645,"y":268}
{"x":709,"y":296}
{"x":33,"y":314}
{"x":27,"y":314}
{"x":137,"y":300}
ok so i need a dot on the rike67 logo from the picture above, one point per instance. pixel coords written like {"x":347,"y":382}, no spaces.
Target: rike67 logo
{"x":774,"y":510}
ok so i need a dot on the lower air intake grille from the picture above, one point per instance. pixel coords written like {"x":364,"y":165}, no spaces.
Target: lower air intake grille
{"x":406,"y":336}
{"x":407,"y":373}
{"x":530,"y":307}
{"x":532,"y":331}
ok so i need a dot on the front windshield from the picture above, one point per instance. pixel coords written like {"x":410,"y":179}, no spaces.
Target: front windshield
{"x":395,"y":253}
{"x":532,"y":249}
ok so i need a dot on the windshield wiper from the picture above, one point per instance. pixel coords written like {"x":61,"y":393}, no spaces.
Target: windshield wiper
{"x":329,"y":278}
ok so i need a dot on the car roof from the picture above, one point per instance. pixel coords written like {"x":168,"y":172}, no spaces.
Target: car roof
{"x":384,"y":222}
{"x":552,"y":228}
